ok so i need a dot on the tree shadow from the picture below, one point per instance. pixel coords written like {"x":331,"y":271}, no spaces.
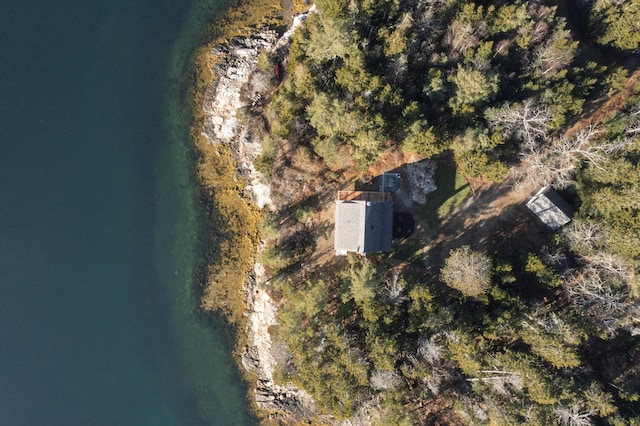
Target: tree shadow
{"x":513,"y":231}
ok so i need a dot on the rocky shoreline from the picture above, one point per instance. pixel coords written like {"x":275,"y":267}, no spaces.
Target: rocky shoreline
{"x":233,"y":89}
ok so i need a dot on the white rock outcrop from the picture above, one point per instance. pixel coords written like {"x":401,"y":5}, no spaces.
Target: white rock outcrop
{"x":236,"y":62}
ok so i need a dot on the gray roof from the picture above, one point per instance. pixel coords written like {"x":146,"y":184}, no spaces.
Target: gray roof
{"x":551,"y":208}
{"x":363,"y":226}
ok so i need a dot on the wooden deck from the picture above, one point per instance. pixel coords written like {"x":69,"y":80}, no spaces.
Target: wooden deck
{"x":364,"y":196}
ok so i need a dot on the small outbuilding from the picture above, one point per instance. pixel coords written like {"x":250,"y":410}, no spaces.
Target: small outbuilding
{"x":364,"y":222}
{"x":390,"y":182}
{"x":551,"y":208}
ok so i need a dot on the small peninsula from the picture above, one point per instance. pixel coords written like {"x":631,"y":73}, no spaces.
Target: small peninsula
{"x":427,"y":212}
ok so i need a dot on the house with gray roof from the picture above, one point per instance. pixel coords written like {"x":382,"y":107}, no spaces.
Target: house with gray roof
{"x":364,"y":222}
{"x":550,"y":208}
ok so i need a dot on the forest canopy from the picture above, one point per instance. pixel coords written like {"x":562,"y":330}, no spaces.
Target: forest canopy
{"x":498,"y":332}
{"x":615,"y":24}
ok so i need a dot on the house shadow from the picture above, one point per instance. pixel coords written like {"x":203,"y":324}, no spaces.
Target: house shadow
{"x":423,"y":192}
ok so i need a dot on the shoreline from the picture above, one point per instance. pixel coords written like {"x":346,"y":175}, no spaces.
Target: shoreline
{"x":225,"y":138}
{"x":368,"y":345}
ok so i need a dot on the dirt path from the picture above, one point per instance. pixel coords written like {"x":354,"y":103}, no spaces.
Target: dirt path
{"x":494,"y":218}
{"x":494,"y":210}
{"x":496,"y":215}
{"x":595,"y":112}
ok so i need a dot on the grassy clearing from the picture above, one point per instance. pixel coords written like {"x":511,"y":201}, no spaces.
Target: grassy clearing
{"x":453,"y":190}
{"x":408,"y":250}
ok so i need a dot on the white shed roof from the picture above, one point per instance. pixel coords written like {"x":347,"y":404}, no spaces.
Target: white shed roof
{"x":551,"y":208}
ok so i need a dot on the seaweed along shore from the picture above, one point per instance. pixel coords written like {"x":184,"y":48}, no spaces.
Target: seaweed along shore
{"x":236,"y":193}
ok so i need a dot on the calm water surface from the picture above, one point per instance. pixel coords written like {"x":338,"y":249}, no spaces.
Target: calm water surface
{"x":99,"y":228}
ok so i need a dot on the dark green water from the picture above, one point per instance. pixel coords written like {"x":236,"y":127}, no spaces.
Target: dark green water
{"x":99,"y":228}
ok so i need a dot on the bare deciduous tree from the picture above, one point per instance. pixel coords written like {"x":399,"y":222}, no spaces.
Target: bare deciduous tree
{"x":603,"y":286}
{"x":633,"y":130}
{"x":608,"y":304}
{"x":554,"y":257}
{"x":609,"y":263}
{"x":552,"y":55}
{"x":573,"y":415}
{"x":433,"y":384}
{"x":430,"y":350}
{"x":583,"y":236}
{"x":556,"y":163}
{"x":528,"y":122}
{"x":438,"y":377}
{"x":460,"y":36}
{"x":393,"y":288}
{"x":588,"y":289}
{"x":384,"y":380}
{"x":467,"y":271}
